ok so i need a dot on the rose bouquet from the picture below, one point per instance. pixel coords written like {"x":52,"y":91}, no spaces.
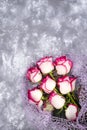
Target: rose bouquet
{"x":55,"y":89}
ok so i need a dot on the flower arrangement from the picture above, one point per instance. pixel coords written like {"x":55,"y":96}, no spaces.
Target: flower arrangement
{"x":56,"y":87}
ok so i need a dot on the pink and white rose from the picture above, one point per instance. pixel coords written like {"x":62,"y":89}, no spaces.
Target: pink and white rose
{"x":63,"y":65}
{"x":56,"y":100}
{"x":66,"y":84}
{"x":71,"y":112}
{"x":34,"y":74}
{"x":35,"y":95}
{"x":46,"y":65}
{"x":48,"y":85}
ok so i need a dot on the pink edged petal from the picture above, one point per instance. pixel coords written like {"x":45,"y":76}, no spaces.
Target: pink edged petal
{"x":31,"y":70}
{"x":43,"y":83}
{"x":68,"y":67}
{"x":48,"y":84}
{"x":35,"y":95}
{"x":60,"y":60}
{"x":52,"y":95}
{"x":33,"y":74}
{"x":61,"y":69}
{"x":30,"y":96}
{"x":46,"y":65}
{"x":66,"y":78}
{"x":46,"y":90}
{"x":73,"y":82}
{"x":63,"y":78}
{"x":64,"y":87}
{"x":47,"y":58}
{"x":75,"y":106}
{"x":43,"y":86}
{"x":37,"y":77}
{"x":50,"y":58}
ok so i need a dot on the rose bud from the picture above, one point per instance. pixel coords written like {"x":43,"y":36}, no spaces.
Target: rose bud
{"x":34,"y":74}
{"x":48,"y":107}
{"x":46,"y":65}
{"x":35,"y":95}
{"x":71,"y":112}
{"x":56,"y":100}
{"x":63,"y":65}
{"x":64,"y":85}
{"x":73,"y":81}
{"x":48,"y":85}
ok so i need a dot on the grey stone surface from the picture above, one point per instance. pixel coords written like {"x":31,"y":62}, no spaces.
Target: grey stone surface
{"x":30,"y":29}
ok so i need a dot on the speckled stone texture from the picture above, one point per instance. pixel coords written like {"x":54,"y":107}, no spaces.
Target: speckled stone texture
{"x":29,"y":30}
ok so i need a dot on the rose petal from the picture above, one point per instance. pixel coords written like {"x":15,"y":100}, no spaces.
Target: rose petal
{"x":67,"y":66}
{"x":46,"y":67}
{"x":34,"y":75}
{"x":60,"y":60}
{"x":64,"y":87}
{"x":73,"y":82}
{"x":61,"y":69}
{"x":57,"y":101}
{"x":48,"y":85}
{"x":35,"y":94}
{"x":47,"y":58}
{"x":64,"y":78}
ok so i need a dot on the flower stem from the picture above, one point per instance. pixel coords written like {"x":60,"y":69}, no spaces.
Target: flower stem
{"x":52,"y":75}
{"x":60,"y":110}
{"x":65,"y":107}
{"x":57,"y":91}
{"x":73,"y":95}
{"x":69,"y":95}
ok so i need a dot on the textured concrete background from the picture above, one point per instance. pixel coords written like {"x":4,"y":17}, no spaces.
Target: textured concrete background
{"x":30,"y":29}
